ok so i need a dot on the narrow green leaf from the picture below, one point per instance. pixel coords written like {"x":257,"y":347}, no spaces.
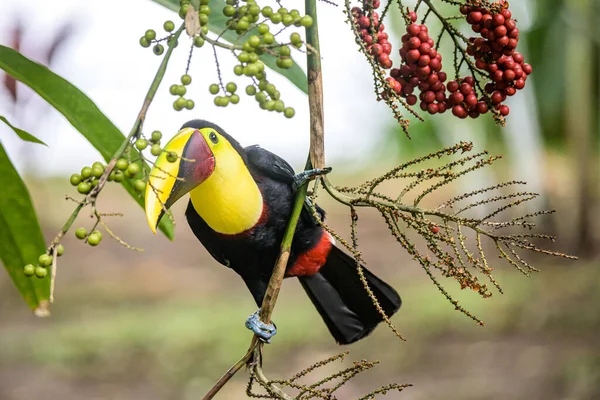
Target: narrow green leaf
{"x":217,"y":23}
{"x":21,"y":239}
{"x":22,"y":134}
{"x":79,"y":110}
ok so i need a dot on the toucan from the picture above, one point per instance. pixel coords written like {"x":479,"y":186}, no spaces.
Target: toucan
{"x":240,"y":202}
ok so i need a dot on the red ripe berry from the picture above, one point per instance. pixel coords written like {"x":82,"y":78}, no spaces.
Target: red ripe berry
{"x":424,"y":28}
{"x":432,"y":108}
{"x":382,"y":57}
{"x":387,"y":48}
{"x":527,"y":69}
{"x":452,"y":86}
{"x":377,"y":49}
{"x":482,"y":108}
{"x":423,"y":106}
{"x":498,"y":75}
{"x":480,"y":64}
{"x":456,"y":98}
{"x":506,"y":13}
{"x":411,"y":100}
{"x":424,"y":37}
{"x":519,"y":84}
{"x":471,"y":101}
{"x":518,"y":57}
{"x":433,"y":78}
{"x":413,"y":16}
{"x":424,"y":60}
{"x":413,"y":29}
{"x":435,"y":64}
{"x":464,"y":9}
{"x":459,"y":112}
{"x":496,"y":98}
{"x":466,"y":89}
{"x":442,"y":107}
{"x":440,"y":96}
{"x":475,"y":17}
{"x":510,"y":24}
{"x":364,"y":22}
{"x":473,"y":114}
{"x":442,"y":76}
{"x":412,"y":56}
{"x":408,"y":89}
{"x":492,"y":68}
{"x":469,"y":80}
{"x":510,"y":91}
{"x":387,"y":63}
{"x":502,"y":41}
{"x":500,"y":31}
{"x":429,"y":97}
{"x":425,"y":48}
{"x":382,"y":36}
{"x":514,"y":33}
{"x":414,"y":43}
{"x":489,"y":88}
{"x":498,"y":20}
{"x":504,"y":110}
{"x":395,"y":72}
{"x":509,"y":75}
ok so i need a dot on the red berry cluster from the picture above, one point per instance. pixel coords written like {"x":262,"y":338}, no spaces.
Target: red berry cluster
{"x":463,"y":99}
{"x":494,"y":51}
{"x":421,"y":68}
{"x":379,"y":46}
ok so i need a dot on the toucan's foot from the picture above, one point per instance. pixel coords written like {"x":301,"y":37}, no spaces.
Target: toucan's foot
{"x":264,"y":331}
{"x":305,"y":176}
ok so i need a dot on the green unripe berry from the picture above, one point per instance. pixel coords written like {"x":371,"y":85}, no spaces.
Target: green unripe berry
{"x":170,"y":41}
{"x":156,"y":136}
{"x":228,"y":11}
{"x":275,"y":18}
{"x":306,"y":21}
{"x":150,"y":34}
{"x":262,"y":84}
{"x":243,"y":57}
{"x":268,"y":38}
{"x":203,"y":18}
{"x":260,"y":97}
{"x":285,"y":51}
{"x":95,"y":182}
{"x":204,"y":2}
{"x":231,"y":87}
{"x":234,"y":98}
{"x":287,"y":20}
{"x":243,"y":24}
{"x":295,"y":38}
{"x":75,"y":179}
{"x":252,"y":57}
{"x":97,"y":164}
{"x":270,"y":88}
{"x":180,"y":103}
{"x":204,"y":9}
{"x":84,"y":187}
{"x":252,"y":69}
{"x":111,"y":176}
{"x":267,"y":11}
{"x":276,"y":95}
{"x":81,"y":233}
{"x":289,"y":112}
{"x":86,"y":172}
{"x":279,"y":106}
{"x":155,"y":150}
{"x":141,"y":144}
{"x":60,"y":250}
{"x":122,"y":164}
{"x":183,"y":10}
{"x":177,"y":105}
{"x":254,"y":41}
{"x":45,"y":260}
{"x":247,"y":48}
{"x":132,"y":170}
{"x":173,"y":89}
{"x":139,"y":185}
{"x":97,"y":232}
{"x":243,"y":10}
{"x":181,"y":90}
{"x":168,"y":26}
{"x":189,"y":104}
{"x":282,"y":11}
{"x":238,"y":70}
{"x":263,"y":28}
{"x":198,"y":41}
{"x":29,"y":270}
{"x":270,"y":105}
{"x":40,"y":272}
{"x":254,"y":10}
{"x":171,"y":157}
{"x":286,"y":63}
{"x":204,"y":30}
{"x":250,"y":90}
{"x":295,"y":13}
{"x":158,"y":49}
{"x":97,"y":171}
{"x":119,"y":177}
{"x":186,"y":79}
{"x":214,"y":88}
{"x":144,"y":42}
{"x":94,"y":239}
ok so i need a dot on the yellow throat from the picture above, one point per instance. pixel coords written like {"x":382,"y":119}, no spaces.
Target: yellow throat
{"x":229,"y":200}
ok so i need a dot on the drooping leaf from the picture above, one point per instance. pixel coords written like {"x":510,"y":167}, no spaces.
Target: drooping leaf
{"x":21,"y":133}
{"x":79,"y":110}
{"x":217,"y":23}
{"x":21,"y":239}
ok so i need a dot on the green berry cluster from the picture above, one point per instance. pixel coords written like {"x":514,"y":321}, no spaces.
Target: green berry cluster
{"x":44,"y":261}
{"x":180,"y":90}
{"x":93,"y":239}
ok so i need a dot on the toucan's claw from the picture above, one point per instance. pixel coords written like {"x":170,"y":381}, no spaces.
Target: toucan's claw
{"x":264,"y":331}
{"x":305,"y":176}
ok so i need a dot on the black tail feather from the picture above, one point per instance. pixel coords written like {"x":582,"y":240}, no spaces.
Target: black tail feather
{"x":340,"y":297}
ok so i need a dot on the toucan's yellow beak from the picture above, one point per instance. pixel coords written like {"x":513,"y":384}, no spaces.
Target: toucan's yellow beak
{"x":169,"y":181}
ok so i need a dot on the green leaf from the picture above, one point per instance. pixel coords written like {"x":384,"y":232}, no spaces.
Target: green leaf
{"x":22,"y":134}
{"x":21,"y":239}
{"x":217,"y":23}
{"x":79,"y":110}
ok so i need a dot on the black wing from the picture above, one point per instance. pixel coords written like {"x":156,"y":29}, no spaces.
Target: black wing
{"x":269,"y":164}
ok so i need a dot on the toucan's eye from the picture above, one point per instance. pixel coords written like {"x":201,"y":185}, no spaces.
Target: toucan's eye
{"x":213,"y":138}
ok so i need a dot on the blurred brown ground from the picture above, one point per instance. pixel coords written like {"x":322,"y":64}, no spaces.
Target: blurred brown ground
{"x":167,"y":322}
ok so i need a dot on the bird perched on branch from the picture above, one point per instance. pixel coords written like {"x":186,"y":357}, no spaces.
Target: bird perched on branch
{"x":241,"y":199}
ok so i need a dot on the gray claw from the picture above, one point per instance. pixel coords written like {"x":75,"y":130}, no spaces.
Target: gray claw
{"x":264,"y":331}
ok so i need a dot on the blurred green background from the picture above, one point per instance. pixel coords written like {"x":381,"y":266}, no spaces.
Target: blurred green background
{"x":166,"y":323}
